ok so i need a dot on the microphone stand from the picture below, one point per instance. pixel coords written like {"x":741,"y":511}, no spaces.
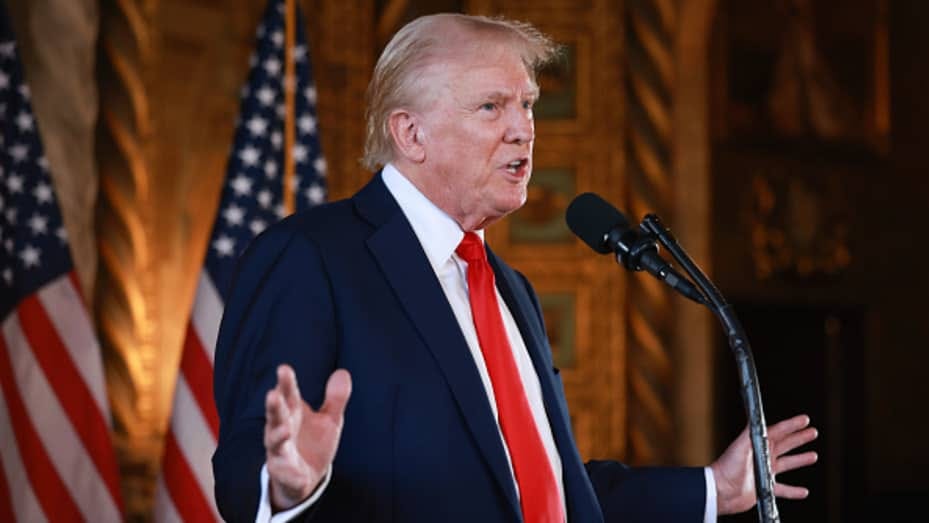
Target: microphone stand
{"x":748,"y":378}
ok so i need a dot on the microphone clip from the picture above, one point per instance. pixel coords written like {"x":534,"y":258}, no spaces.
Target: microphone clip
{"x":630,"y":246}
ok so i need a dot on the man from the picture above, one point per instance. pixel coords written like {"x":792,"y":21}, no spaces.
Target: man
{"x":456,"y":411}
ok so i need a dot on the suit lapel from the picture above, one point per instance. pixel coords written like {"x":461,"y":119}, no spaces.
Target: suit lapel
{"x":397,"y":250}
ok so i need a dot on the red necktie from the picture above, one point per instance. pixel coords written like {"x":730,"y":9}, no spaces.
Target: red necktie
{"x":538,"y":492}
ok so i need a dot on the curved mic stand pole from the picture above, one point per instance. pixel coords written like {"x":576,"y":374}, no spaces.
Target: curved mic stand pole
{"x":748,"y":378}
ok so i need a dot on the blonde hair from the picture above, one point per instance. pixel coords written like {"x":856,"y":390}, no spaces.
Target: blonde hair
{"x":394,"y":83}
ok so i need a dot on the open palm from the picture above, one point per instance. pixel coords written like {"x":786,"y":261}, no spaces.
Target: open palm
{"x":301,"y":443}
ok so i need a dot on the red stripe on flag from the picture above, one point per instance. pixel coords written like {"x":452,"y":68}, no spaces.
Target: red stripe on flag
{"x":77,"y":287}
{"x":49,"y":488}
{"x":182,"y":486}
{"x":195,"y":365}
{"x":72,"y":392}
{"x":6,"y":507}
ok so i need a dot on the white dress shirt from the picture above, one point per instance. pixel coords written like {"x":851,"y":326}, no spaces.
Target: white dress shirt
{"x":439,"y":236}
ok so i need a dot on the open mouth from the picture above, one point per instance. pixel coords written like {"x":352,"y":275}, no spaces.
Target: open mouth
{"x":516,"y":165}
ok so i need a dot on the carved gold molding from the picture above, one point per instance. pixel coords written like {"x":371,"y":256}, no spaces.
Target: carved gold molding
{"x":650,"y":26}
{"x":124,"y":305}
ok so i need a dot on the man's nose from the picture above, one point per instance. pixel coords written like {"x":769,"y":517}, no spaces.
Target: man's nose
{"x":521,"y":128}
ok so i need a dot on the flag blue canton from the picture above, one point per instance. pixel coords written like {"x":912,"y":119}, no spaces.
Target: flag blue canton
{"x":252,"y":195}
{"x":33,"y":241}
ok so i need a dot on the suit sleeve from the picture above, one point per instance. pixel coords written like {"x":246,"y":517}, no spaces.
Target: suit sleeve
{"x":279,"y":309}
{"x":647,"y":494}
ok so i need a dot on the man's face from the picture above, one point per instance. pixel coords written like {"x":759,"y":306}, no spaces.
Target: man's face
{"x":477,"y":133}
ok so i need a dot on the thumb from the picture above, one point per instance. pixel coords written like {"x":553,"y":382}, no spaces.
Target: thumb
{"x":338,"y":390}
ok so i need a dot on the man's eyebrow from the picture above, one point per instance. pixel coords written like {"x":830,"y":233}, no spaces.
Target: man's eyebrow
{"x":499,"y":95}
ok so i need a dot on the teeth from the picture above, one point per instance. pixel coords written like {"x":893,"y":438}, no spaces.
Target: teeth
{"x":515,"y":163}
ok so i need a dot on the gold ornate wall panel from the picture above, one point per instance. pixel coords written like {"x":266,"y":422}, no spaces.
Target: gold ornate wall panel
{"x":579,"y":147}
{"x":170,"y":75}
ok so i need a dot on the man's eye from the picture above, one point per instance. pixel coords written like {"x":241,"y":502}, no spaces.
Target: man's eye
{"x":527,"y":105}
{"x":489,"y":106}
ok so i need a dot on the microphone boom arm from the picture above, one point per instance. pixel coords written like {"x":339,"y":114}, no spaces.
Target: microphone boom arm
{"x":748,"y":377}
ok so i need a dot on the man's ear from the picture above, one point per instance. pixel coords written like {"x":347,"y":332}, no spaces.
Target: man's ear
{"x":407,"y":133}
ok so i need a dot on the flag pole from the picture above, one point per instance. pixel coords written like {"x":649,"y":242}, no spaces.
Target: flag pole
{"x":289,"y":105}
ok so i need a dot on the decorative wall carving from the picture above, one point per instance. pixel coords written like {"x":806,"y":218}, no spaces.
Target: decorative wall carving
{"x":650,"y":29}
{"x":124,"y":306}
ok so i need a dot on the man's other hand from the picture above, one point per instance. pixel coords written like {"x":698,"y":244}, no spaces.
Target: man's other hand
{"x":300,"y":443}
{"x":734,"y":470}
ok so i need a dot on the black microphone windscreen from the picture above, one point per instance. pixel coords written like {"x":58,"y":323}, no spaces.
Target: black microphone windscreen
{"x":590,"y":217}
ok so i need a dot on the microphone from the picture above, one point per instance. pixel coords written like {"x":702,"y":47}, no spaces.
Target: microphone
{"x":604,"y":229}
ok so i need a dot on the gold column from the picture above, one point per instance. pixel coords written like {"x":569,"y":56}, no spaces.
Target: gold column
{"x":124,"y":304}
{"x":650,"y":26}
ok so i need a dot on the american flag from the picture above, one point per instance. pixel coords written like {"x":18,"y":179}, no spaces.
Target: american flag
{"x":56,"y":457}
{"x":251,"y":200}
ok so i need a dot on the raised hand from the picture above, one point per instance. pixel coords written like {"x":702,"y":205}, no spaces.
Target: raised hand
{"x":300,"y":443}
{"x":734,"y":470}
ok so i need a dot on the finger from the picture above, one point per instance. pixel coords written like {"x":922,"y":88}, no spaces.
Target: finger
{"x":790,"y":491}
{"x":287,"y":382}
{"x":276,"y":437}
{"x":781,"y":429}
{"x":276,"y":411}
{"x":795,"y":440}
{"x":795,"y":461}
{"x":338,"y":390}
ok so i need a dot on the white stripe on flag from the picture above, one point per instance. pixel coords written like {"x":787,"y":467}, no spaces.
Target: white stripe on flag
{"x":194,"y":439}
{"x":74,"y":466}
{"x":22,"y":497}
{"x":207,"y":313}
{"x":66,"y":311}
{"x":165,"y":511}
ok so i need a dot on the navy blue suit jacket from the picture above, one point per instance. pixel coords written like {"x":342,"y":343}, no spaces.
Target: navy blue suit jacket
{"x":347,"y":285}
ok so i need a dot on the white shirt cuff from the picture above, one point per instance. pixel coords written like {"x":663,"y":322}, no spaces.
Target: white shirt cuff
{"x":709,"y":512}
{"x":264,"y":514}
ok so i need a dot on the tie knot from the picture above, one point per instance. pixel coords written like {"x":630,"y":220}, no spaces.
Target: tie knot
{"x":471,"y":248}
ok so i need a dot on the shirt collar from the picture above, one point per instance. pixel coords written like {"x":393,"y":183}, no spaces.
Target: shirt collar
{"x":437,"y":232}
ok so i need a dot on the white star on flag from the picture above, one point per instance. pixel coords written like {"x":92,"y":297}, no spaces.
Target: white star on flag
{"x":38,"y":224}
{"x":300,"y":153}
{"x":272,"y":66}
{"x":307,"y":124}
{"x":43,"y":193}
{"x":233,"y":215}
{"x":224,"y":246}
{"x":315,"y":195}
{"x":242,"y":185}
{"x":320,"y":165}
{"x":266,"y":95}
{"x":250,"y":156}
{"x":24,"y":122}
{"x":257,"y":226}
{"x":15,"y":184}
{"x":19,"y":152}
{"x":30,"y":256}
{"x":265,"y":198}
{"x":270,"y":169}
{"x":257,"y":126}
